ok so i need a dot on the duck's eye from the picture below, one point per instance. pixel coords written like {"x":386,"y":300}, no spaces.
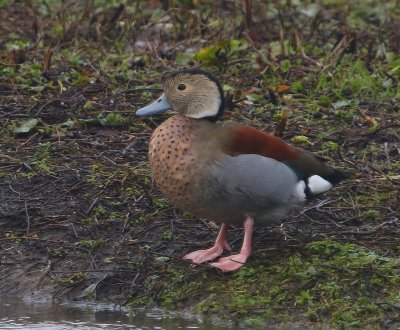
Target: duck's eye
{"x":181,"y":87}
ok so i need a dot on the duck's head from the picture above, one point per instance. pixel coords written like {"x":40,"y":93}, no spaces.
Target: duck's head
{"x":192,"y":93}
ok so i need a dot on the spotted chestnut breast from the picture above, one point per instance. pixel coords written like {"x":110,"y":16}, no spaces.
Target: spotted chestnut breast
{"x":171,"y":158}
{"x":178,"y":156}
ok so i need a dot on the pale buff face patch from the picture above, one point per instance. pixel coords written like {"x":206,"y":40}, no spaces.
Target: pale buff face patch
{"x":195,"y":96}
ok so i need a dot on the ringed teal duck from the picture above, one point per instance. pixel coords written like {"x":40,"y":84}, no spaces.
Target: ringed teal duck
{"x":229,"y":174}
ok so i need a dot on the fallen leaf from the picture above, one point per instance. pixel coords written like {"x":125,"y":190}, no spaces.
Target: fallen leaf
{"x":281,"y":88}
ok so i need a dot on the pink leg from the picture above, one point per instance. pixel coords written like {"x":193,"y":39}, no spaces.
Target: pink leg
{"x":201,"y":256}
{"x":234,"y":262}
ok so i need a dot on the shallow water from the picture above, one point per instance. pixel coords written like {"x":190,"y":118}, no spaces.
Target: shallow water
{"x":29,"y":314}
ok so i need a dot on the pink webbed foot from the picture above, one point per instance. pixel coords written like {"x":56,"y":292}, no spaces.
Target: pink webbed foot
{"x":231,"y":263}
{"x":234,"y":262}
{"x":200,"y":256}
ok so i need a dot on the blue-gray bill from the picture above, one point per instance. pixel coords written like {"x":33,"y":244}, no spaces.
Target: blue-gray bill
{"x":160,"y":105}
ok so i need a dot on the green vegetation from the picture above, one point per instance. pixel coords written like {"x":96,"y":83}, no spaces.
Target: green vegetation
{"x":69,"y":280}
{"x":350,"y":285}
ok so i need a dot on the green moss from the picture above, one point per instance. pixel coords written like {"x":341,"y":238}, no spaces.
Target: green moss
{"x":57,"y":253}
{"x":339,"y":283}
{"x":68,"y":280}
{"x":140,"y":302}
{"x":371,"y":214}
{"x":91,"y":244}
{"x":331,"y":146}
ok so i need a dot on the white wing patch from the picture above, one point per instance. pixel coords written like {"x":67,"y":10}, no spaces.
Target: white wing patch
{"x":300,"y":190}
{"x":318,"y":185}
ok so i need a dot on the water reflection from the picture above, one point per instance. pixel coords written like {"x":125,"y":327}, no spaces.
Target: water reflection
{"x":28,"y":314}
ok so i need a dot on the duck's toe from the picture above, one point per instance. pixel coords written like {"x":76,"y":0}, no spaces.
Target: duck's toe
{"x":200,"y":256}
{"x":231,"y":263}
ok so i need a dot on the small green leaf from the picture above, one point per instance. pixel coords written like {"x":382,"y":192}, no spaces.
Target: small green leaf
{"x":254,"y":97}
{"x":68,"y":124}
{"x":300,"y":139}
{"x":183,"y":58}
{"x":37,"y":88}
{"x":113,"y":119}
{"x":297,"y":86}
{"x":237,"y":45}
{"x":311,"y":10}
{"x":324,"y":100}
{"x":207,"y":54}
{"x":161,"y":259}
{"x":227,"y":87}
{"x":285,"y":66}
{"x":342,"y":103}
{"x":371,"y":214}
{"x":26,"y":126}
